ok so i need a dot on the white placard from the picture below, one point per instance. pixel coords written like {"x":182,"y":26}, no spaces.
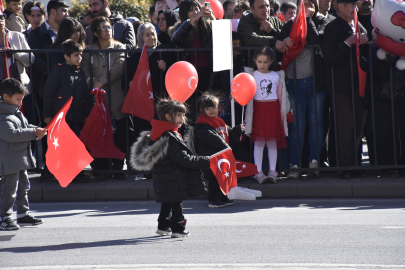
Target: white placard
{"x":222,"y":44}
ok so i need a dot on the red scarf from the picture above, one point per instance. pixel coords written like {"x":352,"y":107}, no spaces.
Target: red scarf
{"x":160,"y":127}
{"x":216,"y":123}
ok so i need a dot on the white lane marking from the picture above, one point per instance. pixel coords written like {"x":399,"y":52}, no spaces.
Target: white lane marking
{"x":393,"y":227}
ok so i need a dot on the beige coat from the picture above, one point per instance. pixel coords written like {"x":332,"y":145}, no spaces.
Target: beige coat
{"x":17,"y":42}
{"x":16,"y":23}
{"x":100,"y":74}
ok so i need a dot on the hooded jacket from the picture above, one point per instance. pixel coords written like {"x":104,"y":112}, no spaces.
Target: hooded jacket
{"x":172,"y":18}
{"x":15,"y":137}
{"x":123,"y":31}
{"x":175,"y":170}
{"x":67,"y":81}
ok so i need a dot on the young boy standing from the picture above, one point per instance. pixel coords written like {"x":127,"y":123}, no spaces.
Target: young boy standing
{"x":68,"y":80}
{"x":15,"y":156}
{"x":15,"y":20}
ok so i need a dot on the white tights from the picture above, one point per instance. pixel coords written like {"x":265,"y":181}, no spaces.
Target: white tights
{"x":272,"y":153}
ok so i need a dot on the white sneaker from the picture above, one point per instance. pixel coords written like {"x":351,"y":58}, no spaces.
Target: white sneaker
{"x":261,"y":177}
{"x":164,"y":232}
{"x":314,"y":164}
{"x":293,"y":175}
{"x":272,"y":176}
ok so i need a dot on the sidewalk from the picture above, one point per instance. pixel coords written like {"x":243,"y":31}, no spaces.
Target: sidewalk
{"x":323,"y":186}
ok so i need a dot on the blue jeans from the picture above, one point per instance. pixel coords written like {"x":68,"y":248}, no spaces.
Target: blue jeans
{"x":305,"y":93}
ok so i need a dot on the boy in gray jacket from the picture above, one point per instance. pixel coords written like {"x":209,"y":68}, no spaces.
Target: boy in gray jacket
{"x":15,"y":156}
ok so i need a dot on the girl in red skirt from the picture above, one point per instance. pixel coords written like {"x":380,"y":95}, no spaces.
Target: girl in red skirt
{"x":266,"y":115}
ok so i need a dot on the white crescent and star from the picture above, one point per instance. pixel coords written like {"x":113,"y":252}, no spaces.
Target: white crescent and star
{"x":147,"y":78}
{"x":243,"y":166}
{"x":222,"y":161}
{"x":57,"y":122}
{"x":189,"y":81}
{"x":233,"y":90}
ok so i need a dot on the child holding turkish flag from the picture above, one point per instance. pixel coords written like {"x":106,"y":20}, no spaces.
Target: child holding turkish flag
{"x":212,"y":135}
{"x":175,"y":170}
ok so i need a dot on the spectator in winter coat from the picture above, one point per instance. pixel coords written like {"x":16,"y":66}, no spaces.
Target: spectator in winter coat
{"x":34,"y":13}
{"x":166,"y":18}
{"x":123,"y":29}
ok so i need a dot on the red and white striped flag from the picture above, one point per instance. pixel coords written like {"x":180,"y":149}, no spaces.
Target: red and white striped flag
{"x":8,"y":65}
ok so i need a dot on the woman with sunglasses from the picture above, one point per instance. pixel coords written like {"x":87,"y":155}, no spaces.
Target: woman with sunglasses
{"x":103,"y":40}
{"x":69,"y":29}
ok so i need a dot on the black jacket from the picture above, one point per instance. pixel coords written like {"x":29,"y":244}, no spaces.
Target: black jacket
{"x":185,"y":34}
{"x":207,"y":141}
{"x":159,"y":88}
{"x":176,"y":171}
{"x":67,"y":81}
{"x":336,"y":54}
{"x":165,"y":39}
{"x":315,"y":30}
{"x":39,"y":38}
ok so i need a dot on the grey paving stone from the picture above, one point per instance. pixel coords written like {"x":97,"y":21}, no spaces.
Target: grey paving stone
{"x":324,"y":190}
{"x":71,"y":193}
{"x":126,"y":192}
{"x":382,"y":189}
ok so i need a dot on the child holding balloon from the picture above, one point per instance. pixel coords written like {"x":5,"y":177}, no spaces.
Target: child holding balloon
{"x":267,"y":113}
{"x":176,"y":171}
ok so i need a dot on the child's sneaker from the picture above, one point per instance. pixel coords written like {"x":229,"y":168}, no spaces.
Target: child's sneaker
{"x":29,"y":220}
{"x":314,"y":164}
{"x":272,"y":176}
{"x":164,"y":232}
{"x":293,"y":175}
{"x":181,"y":234}
{"x":226,"y":200}
{"x":216,"y":204}
{"x":8,"y":225}
{"x":261,"y":177}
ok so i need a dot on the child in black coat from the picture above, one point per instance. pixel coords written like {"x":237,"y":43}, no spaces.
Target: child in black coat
{"x":175,"y":170}
{"x":212,"y":135}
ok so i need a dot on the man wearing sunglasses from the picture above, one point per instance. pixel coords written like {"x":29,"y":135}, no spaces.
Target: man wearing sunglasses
{"x":123,"y":31}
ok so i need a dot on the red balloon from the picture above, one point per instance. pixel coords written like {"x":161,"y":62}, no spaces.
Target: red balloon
{"x":181,"y":81}
{"x":243,"y":88}
{"x":217,"y":8}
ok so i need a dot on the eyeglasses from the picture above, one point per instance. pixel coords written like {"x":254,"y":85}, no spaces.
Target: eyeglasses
{"x":106,"y":28}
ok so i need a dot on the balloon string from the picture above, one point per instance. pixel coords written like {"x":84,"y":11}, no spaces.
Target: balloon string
{"x":243,"y":109}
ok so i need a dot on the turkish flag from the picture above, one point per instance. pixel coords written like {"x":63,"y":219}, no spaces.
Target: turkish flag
{"x":139,"y":100}
{"x":97,"y":134}
{"x":298,"y":34}
{"x":66,"y":156}
{"x":362,"y":74}
{"x":222,"y":164}
{"x":245,"y":169}
{"x":281,"y":16}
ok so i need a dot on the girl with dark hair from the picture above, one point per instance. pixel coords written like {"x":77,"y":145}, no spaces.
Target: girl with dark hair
{"x":306,"y":95}
{"x":102,"y":40}
{"x":69,"y":29}
{"x":176,"y":171}
{"x":267,"y":114}
{"x":166,"y":19}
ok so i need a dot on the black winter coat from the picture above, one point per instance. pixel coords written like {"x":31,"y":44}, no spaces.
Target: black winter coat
{"x":39,"y":38}
{"x":185,"y":34}
{"x":208,"y":141}
{"x":315,"y":29}
{"x":176,"y":171}
{"x":67,"y":81}
{"x":337,"y":56}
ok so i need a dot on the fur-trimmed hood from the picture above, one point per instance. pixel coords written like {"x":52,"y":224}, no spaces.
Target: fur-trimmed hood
{"x":145,"y":154}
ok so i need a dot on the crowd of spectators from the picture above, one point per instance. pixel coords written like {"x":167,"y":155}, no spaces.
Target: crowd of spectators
{"x":318,"y":115}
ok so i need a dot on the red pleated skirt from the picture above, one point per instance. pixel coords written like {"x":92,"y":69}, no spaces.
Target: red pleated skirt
{"x":268,"y":123}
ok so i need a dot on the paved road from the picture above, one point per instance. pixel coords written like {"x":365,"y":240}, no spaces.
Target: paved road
{"x":276,"y":234}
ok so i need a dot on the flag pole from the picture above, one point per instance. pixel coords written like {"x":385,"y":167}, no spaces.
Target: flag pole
{"x":230,"y":83}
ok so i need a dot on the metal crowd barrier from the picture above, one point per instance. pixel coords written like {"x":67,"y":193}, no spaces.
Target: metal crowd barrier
{"x":248,"y":52}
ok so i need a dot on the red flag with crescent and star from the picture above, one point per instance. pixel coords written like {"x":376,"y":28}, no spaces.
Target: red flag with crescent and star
{"x":139,"y":100}
{"x":66,"y":156}
{"x":362,"y":74}
{"x":298,"y":35}
{"x":245,"y":169}
{"x":97,"y":133}
{"x":222,"y":164}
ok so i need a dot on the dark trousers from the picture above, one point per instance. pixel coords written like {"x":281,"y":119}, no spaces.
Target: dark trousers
{"x":213,"y":189}
{"x":171,"y":216}
{"x":346,"y":126}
